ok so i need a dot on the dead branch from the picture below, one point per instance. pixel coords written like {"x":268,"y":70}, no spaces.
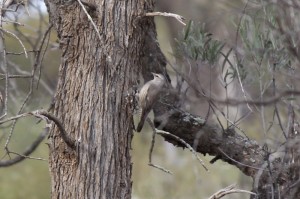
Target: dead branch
{"x":179,"y":18}
{"x":228,"y":190}
{"x":152,"y":147}
{"x":186,"y":145}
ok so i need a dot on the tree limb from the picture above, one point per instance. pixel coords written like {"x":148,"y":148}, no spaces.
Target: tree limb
{"x":70,"y":142}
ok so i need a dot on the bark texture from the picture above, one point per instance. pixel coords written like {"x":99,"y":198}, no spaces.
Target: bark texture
{"x":93,"y":99}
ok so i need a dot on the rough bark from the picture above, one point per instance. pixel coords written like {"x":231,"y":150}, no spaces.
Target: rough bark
{"x":93,"y":98}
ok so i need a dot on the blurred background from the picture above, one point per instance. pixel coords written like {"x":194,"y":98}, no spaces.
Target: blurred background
{"x":30,"y":178}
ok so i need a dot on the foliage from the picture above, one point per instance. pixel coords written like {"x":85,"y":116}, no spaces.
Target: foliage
{"x":263,"y":49}
{"x":196,"y":44}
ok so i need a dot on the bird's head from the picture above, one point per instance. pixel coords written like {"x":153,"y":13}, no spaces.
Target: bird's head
{"x":159,"y":77}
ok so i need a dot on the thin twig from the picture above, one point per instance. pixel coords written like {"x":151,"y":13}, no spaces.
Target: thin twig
{"x":19,"y":40}
{"x":161,"y":132}
{"x":14,"y":118}
{"x":245,"y":165}
{"x":28,"y":157}
{"x":265,"y":102}
{"x":160,"y":168}
{"x":89,"y":18}
{"x":26,"y":153}
{"x":152,"y":147}
{"x":229,"y":190}
{"x":41,"y":58}
{"x":17,"y":76}
{"x":237,"y":68}
{"x":13,"y":22}
{"x":2,"y":43}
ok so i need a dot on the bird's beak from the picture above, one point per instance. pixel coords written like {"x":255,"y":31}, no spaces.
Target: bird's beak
{"x":153,"y":74}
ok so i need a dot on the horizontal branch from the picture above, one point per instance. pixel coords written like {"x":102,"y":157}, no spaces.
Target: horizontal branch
{"x":236,"y":102}
{"x":16,"y":76}
{"x":208,"y":138}
{"x":265,"y":102}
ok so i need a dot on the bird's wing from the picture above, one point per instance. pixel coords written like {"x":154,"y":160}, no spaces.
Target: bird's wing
{"x":153,"y":91}
{"x":149,"y":89}
{"x":143,"y":95}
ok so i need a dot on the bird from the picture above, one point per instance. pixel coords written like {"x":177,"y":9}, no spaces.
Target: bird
{"x":148,"y":95}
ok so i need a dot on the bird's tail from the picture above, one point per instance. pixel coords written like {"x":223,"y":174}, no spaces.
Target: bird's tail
{"x":142,"y":121}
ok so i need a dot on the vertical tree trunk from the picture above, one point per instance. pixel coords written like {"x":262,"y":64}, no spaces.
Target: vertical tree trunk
{"x":91,"y":101}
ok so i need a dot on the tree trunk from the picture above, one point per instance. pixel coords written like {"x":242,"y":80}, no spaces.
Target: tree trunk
{"x":93,"y":98}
